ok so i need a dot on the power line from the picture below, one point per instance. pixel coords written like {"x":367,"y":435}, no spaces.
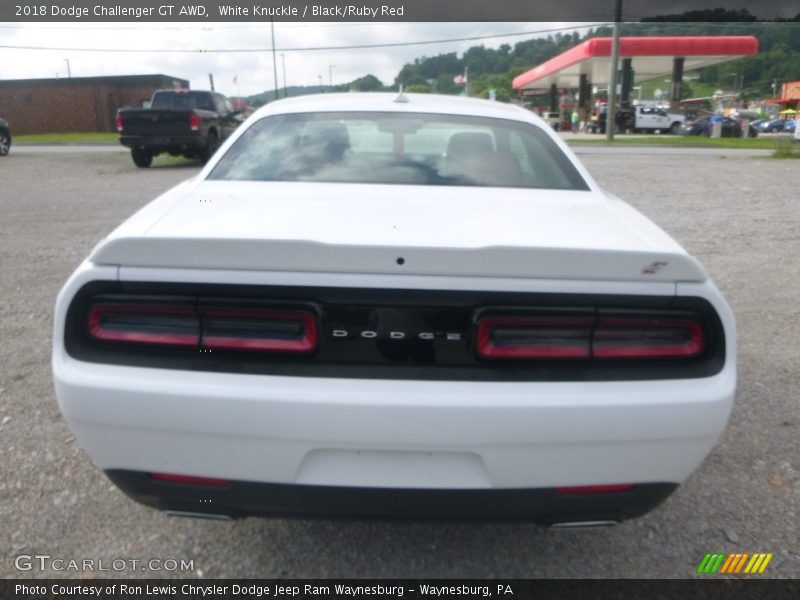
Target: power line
{"x":315,"y":49}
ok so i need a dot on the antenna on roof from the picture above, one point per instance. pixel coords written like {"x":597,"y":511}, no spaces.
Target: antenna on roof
{"x":400,"y":97}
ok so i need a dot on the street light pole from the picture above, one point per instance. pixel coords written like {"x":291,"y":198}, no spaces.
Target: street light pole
{"x":283,"y":61}
{"x":330,"y":76}
{"x":611,"y":113}
{"x":274,"y":58}
{"x":69,"y":71}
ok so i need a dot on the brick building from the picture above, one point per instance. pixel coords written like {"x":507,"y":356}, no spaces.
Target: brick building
{"x":75,"y":104}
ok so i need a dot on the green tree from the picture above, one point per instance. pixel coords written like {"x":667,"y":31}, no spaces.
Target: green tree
{"x":368,"y":83}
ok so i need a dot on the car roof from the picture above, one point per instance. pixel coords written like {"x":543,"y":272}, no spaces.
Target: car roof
{"x":395,"y":102}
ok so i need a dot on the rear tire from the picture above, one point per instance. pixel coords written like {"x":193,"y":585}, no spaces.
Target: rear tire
{"x":675,"y":128}
{"x":212,"y":143}
{"x":5,"y":142}
{"x":142,"y":157}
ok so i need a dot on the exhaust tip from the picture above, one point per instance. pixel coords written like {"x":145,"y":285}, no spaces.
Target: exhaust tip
{"x":199,"y":515}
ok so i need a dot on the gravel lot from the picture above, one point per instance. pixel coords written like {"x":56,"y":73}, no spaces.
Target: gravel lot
{"x":737,"y":212}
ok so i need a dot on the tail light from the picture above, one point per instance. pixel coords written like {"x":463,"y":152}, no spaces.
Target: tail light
{"x":120,"y":124}
{"x":601,"y":338}
{"x":647,"y":338}
{"x":279,"y":331}
{"x":534,"y":337}
{"x":161,"y":325}
{"x":212,"y":328}
{"x":195,"y":122}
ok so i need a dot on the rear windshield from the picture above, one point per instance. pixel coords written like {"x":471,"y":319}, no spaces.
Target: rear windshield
{"x":182,"y":100}
{"x":398,"y":148}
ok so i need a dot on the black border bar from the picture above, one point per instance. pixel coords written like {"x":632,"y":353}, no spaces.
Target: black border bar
{"x":462,"y":589}
{"x":150,"y":11}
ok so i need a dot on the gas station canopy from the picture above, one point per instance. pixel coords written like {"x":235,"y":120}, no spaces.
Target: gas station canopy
{"x":651,"y":57}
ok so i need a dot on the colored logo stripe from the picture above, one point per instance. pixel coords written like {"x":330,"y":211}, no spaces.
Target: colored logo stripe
{"x":735,"y":562}
{"x":711,"y":563}
{"x":758,"y":563}
{"x":723,"y":563}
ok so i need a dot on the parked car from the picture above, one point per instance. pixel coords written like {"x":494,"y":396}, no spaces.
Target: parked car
{"x":5,"y":137}
{"x":773,"y":126}
{"x":730,"y":128}
{"x":191,"y":123}
{"x":790,"y":126}
{"x":377,"y":305}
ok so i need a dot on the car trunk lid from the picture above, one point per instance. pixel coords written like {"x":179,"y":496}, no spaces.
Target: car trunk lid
{"x":403,"y":230}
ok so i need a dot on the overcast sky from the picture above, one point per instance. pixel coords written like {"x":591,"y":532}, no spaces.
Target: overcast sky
{"x":253,"y":70}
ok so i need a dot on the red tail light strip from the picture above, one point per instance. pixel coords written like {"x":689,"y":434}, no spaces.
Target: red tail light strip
{"x":279,"y":331}
{"x":544,"y":337}
{"x":206,"y":328}
{"x":119,"y":123}
{"x":195,"y":122}
{"x":647,"y":338}
{"x":190,"y":479}
{"x":163,"y":325}
{"x":534,"y":337}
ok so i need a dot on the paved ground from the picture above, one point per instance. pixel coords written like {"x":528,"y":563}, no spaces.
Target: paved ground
{"x":738,"y":213}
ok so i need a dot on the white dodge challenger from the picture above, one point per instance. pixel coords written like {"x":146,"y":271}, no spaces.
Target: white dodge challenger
{"x":380,"y":305}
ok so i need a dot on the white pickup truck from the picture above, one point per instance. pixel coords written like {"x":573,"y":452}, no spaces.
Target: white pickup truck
{"x":639,"y":119}
{"x":650,"y":119}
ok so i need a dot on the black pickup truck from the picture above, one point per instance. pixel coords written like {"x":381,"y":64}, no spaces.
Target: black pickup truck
{"x":179,"y":122}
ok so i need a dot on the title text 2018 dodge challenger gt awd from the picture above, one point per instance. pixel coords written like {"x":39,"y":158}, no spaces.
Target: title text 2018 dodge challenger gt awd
{"x":376,"y":305}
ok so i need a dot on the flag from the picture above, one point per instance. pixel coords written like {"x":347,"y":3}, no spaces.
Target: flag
{"x":460,"y":79}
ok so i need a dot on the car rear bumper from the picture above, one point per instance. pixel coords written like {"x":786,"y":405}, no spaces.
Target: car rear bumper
{"x":244,"y":498}
{"x":453,"y":437}
{"x":164,"y":143}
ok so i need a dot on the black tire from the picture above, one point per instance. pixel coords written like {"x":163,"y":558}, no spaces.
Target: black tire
{"x":675,"y":128}
{"x":142,"y":157}
{"x":212,"y":143}
{"x":5,"y":142}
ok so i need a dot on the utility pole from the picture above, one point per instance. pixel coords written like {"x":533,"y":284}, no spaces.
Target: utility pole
{"x":330,"y":76}
{"x":274,"y":57}
{"x":611,"y":113}
{"x":211,"y":81}
{"x":69,"y":71}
